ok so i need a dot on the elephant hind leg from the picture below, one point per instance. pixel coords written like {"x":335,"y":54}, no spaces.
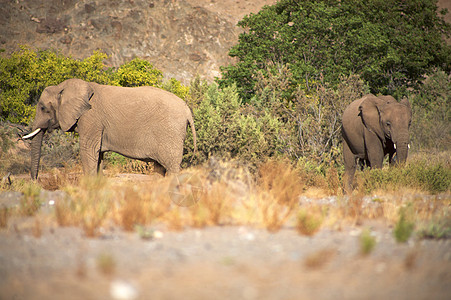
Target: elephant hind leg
{"x":173,"y":167}
{"x":158,"y":168}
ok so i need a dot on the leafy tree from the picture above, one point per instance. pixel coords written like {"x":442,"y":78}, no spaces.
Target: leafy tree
{"x":391,"y":44}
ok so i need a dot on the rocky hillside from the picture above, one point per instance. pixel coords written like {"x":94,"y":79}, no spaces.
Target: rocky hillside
{"x":183,"y":38}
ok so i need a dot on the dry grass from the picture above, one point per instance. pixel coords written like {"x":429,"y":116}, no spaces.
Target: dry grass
{"x":30,"y":202}
{"x":88,"y":205}
{"x":57,"y":179}
{"x":229,"y":195}
{"x":214,"y":206}
{"x":4,"y":216}
{"x":37,"y":228}
{"x":277,"y":193}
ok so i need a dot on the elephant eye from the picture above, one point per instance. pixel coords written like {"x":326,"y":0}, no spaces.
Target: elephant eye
{"x":388,"y":123}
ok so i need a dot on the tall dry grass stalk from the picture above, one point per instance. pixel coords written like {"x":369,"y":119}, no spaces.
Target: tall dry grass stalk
{"x":87,"y":205}
{"x":214,"y":206}
{"x":141,"y":206}
{"x":274,"y":198}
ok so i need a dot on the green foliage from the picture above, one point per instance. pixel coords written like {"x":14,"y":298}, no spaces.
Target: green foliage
{"x":176,"y":87}
{"x":92,"y":69}
{"x":404,"y":227}
{"x":427,"y":175}
{"x":389,"y":48}
{"x":6,"y":143}
{"x":225,"y":129}
{"x":273,"y":123}
{"x":436,"y":229}
{"x":431,"y":106}
{"x":138,"y":72}
{"x":367,"y":242}
{"x":311,"y":121}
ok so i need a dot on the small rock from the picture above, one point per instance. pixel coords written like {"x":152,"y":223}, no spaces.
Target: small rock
{"x":122,"y":290}
{"x":158,"y":234}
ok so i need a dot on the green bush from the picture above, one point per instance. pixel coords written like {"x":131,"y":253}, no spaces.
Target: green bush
{"x":229,"y":130}
{"x":405,"y":225}
{"x":274,"y":122}
{"x":310,"y":122}
{"x":438,"y":228}
{"x":176,"y":87}
{"x":138,"y":72}
{"x":431,"y":121}
{"x":367,"y":242}
{"x":427,"y":175}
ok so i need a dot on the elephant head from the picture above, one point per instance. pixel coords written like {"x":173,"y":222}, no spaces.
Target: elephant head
{"x":58,"y":107}
{"x":390,"y":121}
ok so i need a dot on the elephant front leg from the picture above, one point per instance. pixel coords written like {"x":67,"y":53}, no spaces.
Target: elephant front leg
{"x":374,"y":149}
{"x":90,"y":155}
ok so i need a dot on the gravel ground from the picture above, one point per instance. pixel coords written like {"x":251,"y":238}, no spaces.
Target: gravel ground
{"x":228,"y":262}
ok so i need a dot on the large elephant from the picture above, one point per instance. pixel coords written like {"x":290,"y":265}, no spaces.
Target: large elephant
{"x":372,"y":128}
{"x":144,"y":123}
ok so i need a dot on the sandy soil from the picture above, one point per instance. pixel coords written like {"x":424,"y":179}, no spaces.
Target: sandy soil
{"x":46,"y":261}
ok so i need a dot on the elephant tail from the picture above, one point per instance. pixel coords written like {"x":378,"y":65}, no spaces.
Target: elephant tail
{"x":193,"y":131}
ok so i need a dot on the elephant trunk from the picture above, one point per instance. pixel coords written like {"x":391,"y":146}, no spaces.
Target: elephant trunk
{"x":36,"y":153}
{"x":402,"y":148}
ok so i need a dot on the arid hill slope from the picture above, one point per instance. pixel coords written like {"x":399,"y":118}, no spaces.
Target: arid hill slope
{"x":183,"y":38}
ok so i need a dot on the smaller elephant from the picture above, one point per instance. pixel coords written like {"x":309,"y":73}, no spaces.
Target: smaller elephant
{"x":373,"y":127}
{"x":144,"y":123}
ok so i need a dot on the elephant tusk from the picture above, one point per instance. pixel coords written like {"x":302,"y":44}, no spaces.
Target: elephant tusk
{"x":31,"y":134}
{"x":408,"y":146}
{"x":394,"y":146}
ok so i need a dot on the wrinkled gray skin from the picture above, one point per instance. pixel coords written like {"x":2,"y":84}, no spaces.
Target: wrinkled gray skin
{"x":144,"y":123}
{"x":372,"y":128}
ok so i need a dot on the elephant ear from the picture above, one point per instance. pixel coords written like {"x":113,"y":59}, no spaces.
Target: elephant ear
{"x":406,"y":102}
{"x":370,"y":109}
{"x":73,"y":101}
